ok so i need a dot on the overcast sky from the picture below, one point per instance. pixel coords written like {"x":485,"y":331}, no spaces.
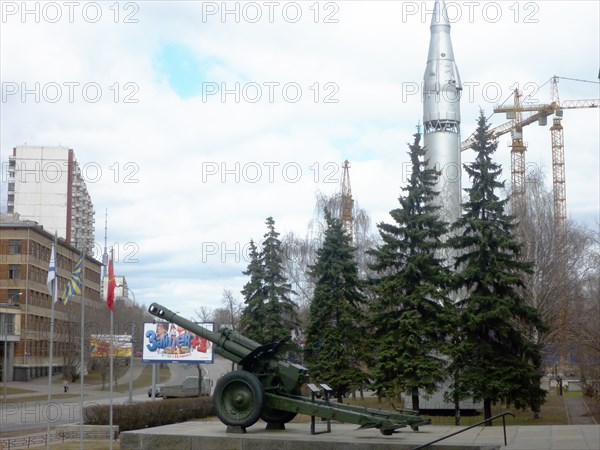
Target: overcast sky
{"x":195,"y":121}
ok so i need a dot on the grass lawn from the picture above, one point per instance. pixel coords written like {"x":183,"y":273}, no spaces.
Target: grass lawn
{"x":95,"y":377}
{"x":41,"y":398}
{"x":12,"y":391}
{"x":145,"y":378}
{"x":553,"y":412}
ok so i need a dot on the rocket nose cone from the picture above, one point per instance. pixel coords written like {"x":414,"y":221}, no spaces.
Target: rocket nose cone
{"x":440,"y":14}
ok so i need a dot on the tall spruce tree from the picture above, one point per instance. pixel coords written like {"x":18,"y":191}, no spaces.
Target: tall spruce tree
{"x":408,"y":315}
{"x":335,"y":334}
{"x":269,"y":314}
{"x":252,"y":321}
{"x":494,"y":354}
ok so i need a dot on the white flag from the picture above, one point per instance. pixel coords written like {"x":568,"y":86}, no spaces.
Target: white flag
{"x":52,"y":273}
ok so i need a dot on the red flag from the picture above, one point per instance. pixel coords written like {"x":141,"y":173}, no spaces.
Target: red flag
{"x":112,"y":284}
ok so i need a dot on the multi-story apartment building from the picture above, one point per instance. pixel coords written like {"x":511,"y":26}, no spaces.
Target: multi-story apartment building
{"x":45,"y":185}
{"x":26,"y":304}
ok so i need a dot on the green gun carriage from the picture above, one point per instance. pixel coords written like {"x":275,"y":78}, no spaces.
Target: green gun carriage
{"x":267,"y":387}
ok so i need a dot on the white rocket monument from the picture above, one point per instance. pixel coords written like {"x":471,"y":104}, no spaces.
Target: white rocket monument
{"x":441,"y":115}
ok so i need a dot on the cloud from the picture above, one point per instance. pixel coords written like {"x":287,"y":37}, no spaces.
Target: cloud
{"x":183,"y":166}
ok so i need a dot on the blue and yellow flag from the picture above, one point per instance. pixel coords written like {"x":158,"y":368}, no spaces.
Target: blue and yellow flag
{"x":74,"y":286}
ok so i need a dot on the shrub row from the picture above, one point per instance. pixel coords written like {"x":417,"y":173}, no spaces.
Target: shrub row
{"x":149,"y":414}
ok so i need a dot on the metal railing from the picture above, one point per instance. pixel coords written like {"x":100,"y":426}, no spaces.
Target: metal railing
{"x":62,"y":436}
{"x":503,"y":415}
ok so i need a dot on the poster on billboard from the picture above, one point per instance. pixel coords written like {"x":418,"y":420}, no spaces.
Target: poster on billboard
{"x":100,"y":344}
{"x":169,"y":343}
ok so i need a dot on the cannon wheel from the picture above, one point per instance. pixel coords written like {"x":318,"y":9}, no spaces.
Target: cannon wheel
{"x":238,"y":399}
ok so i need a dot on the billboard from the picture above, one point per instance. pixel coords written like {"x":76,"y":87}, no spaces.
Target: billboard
{"x":100,"y":344}
{"x":169,"y":343}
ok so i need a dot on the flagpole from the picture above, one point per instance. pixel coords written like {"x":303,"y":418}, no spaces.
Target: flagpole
{"x":109,"y":294}
{"x":111,"y":359}
{"x":76,"y":286}
{"x":82,"y":331}
{"x":54,"y":299}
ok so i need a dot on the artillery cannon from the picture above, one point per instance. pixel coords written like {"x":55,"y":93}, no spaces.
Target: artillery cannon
{"x":267,"y":387}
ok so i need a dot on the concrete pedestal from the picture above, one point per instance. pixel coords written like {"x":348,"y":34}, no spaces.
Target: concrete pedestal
{"x":296,"y":436}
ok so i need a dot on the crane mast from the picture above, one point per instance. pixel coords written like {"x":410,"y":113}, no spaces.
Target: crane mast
{"x":559,"y":189}
{"x":538,"y":113}
{"x":517,"y":158}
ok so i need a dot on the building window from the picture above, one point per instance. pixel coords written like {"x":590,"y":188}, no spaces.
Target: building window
{"x":14,"y":272}
{"x":14,"y":247}
{"x":7,"y":324}
{"x":14,"y":297}
{"x":33,"y":249}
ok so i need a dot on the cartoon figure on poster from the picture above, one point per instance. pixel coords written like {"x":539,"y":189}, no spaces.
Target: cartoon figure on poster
{"x":161,"y":333}
{"x":173,"y":335}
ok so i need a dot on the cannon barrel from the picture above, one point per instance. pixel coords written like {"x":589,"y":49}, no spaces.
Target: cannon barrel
{"x":227,"y":343}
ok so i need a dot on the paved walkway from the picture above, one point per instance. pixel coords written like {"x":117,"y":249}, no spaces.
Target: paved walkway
{"x":578,"y":412}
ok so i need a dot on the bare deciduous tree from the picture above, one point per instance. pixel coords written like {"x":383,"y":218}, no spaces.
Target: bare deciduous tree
{"x":232,"y":308}
{"x":582,"y":323}
{"x":204,"y":314}
{"x":545,"y":286}
{"x":563,"y":286}
{"x":300,"y":253}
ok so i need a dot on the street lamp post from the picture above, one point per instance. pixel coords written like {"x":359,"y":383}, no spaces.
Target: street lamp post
{"x":153,"y":381}
{"x":153,"y":396}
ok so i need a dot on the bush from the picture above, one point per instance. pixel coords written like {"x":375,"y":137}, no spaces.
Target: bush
{"x":149,"y":414}
{"x":589,"y":390}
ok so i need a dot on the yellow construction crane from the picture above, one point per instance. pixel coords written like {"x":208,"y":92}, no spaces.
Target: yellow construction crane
{"x":518,"y":146}
{"x":538,"y":113}
{"x":347,"y":207}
